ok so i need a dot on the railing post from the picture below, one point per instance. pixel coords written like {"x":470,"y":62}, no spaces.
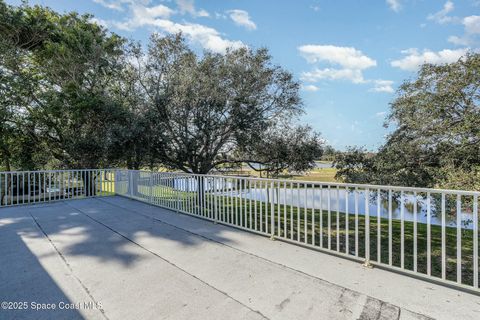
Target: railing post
{"x":203,"y":201}
{"x":215,"y":210}
{"x":29,"y":190}
{"x":176,"y":194}
{"x":272,"y":214}
{"x":150,"y":198}
{"x":115,"y":183}
{"x":130,"y":183}
{"x":367,"y":229}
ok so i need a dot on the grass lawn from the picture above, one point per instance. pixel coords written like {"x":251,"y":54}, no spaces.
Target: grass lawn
{"x":315,"y":175}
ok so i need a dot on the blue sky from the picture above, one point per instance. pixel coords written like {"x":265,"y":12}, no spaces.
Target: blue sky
{"x":350,"y":55}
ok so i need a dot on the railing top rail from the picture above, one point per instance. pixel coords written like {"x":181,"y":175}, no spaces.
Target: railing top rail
{"x":57,"y":170}
{"x":333,"y":184}
{"x":313,"y":183}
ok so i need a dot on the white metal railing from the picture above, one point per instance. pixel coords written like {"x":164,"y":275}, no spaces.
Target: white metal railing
{"x":23,"y":187}
{"x":429,"y":233}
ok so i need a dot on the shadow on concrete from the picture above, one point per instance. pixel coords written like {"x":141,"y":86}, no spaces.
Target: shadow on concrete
{"x":62,"y":231}
{"x":24,"y":283}
{"x":99,"y":228}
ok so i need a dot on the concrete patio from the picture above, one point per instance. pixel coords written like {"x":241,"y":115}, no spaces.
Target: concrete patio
{"x":115,"y":258}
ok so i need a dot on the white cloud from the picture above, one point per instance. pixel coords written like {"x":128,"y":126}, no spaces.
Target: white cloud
{"x":315,"y":8}
{"x":442,"y":15}
{"x":472,"y":24}
{"x":188,"y":6}
{"x":118,"y":5}
{"x":355,"y":76}
{"x":203,"y":13}
{"x":352,"y":75}
{"x":310,"y":87}
{"x":100,"y":22}
{"x":351,"y":62}
{"x":459,"y":41}
{"x":123,"y":25}
{"x":114,"y":5}
{"x":242,"y":18}
{"x":207,"y":37}
{"x":143,"y":16}
{"x":472,"y":30}
{"x":158,"y":17}
{"x":394,"y":5}
{"x":414,"y":59}
{"x":148,"y":13}
{"x":383,"y":86}
{"x":347,"y":57}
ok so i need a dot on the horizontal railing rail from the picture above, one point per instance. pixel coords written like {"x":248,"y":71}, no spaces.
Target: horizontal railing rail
{"x":335,"y":184}
{"x":429,"y":233}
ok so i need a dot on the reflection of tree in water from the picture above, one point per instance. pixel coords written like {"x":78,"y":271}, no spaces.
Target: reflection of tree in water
{"x":409,"y":198}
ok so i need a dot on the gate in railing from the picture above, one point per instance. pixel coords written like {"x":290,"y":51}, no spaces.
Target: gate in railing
{"x":424,"y":232}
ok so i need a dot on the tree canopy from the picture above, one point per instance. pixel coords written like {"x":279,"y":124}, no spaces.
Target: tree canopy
{"x":436,"y":141}
{"x":78,"y":96}
{"x":203,"y":109}
{"x":280,"y":148}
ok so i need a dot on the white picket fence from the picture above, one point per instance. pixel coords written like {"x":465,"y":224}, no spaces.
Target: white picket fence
{"x":428,"y":233}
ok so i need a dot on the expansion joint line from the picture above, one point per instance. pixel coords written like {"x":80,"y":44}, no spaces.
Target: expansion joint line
{"x":166,"y":260}
{"x":69,"y":267}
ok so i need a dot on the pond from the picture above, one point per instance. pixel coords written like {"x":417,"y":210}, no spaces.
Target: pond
{"x":317,"y":198}
{"x":323,"y":165}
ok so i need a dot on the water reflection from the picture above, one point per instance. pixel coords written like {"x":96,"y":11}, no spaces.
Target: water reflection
{"x":349,"y":201}
{"x":323,"y":198}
